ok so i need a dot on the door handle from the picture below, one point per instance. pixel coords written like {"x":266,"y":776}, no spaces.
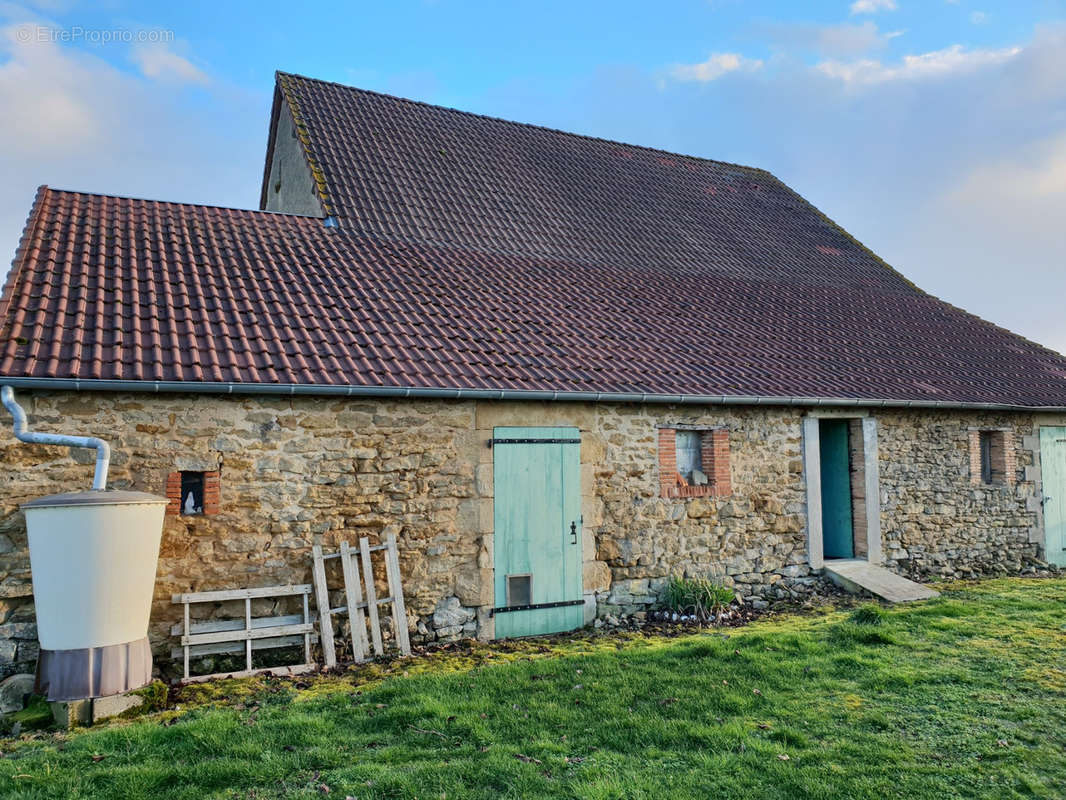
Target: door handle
{"x":573,"y":532}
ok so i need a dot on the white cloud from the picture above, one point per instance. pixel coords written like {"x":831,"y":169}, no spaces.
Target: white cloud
{"x":1036,"y":173}
{"x":841,"y":39}
{"x":74,"y":121}
{"x":49,"y":101}
{"x":978,"y":17}
{"x":716,"y":65}
{"x":872,"y":6}
{"x":160,"y":62}
{"x":951,"y":61}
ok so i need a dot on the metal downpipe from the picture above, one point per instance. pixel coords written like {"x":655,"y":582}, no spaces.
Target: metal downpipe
{"x":103,"y":449}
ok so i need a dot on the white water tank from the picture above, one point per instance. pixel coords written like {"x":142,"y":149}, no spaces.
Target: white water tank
{"x":93,"y":558}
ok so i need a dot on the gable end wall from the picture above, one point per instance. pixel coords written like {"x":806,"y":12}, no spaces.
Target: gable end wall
{"x":290,"y":187}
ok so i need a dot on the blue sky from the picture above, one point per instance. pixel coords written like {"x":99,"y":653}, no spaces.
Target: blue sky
{"x":934,"y":131}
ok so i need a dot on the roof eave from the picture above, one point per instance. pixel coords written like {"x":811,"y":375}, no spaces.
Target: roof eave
{"x":443,"y":393}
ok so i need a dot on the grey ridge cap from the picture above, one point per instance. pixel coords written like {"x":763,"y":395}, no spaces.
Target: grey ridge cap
{"x":280,"y":389}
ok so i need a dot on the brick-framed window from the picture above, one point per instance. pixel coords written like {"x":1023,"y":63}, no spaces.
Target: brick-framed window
{"x":702,"y":454}
{"x":992,"y":458}
{"x":203,"y":488}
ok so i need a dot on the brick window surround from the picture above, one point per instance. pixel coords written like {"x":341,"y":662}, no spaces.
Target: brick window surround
{"x":211,"y":493}
{"x":999,"y":452}
{"x":714,"y":453}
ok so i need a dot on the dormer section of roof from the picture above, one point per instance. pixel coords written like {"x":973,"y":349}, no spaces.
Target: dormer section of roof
{"x":289,"y":177}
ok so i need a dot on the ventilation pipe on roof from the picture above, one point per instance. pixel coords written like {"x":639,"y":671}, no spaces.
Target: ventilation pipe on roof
{"x":103,"y":450}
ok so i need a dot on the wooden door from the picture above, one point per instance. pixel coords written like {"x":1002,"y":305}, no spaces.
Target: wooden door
{"x":537,"y":539}
{"x":1053,"y":477}
{"x":837,"y":535}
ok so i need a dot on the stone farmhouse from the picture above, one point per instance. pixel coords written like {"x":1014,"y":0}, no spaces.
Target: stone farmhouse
{"x":559,"y":369}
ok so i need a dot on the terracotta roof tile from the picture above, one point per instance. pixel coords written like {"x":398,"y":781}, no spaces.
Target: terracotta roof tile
{"x":478,"y":253}
{"x":113,"y":288}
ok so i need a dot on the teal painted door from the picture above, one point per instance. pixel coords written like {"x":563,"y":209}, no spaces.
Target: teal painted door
{"x":537,"y":539}
{"x":1053,"y":477}
{"x":837,"y":539}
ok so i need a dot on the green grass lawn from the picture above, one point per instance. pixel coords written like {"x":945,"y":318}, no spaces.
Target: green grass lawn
{"x":964,"y":696}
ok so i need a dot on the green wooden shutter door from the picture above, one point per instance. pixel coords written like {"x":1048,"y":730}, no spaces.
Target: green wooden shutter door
{"x":1053,"y":478}
{"x":537,"y":490}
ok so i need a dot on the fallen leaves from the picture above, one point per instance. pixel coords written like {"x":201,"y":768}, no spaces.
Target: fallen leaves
{"x":527,"y":759}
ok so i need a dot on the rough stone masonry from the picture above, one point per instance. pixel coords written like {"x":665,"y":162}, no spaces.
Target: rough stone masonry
{"x":296,"y":471}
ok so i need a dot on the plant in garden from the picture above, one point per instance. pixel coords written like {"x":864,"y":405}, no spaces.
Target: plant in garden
{"x":699,"y":597}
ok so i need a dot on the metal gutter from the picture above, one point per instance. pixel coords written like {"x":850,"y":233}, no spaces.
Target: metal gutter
{"x":319,"y":390}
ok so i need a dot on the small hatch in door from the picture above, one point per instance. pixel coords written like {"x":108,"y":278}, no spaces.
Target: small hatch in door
{"x":519,"y":590}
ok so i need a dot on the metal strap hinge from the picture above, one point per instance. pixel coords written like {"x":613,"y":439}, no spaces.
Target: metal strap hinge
{"x":533,"y":441}
{"x":535,"y":606}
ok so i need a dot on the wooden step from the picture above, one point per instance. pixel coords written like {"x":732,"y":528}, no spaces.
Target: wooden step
{"x":855,"y":575}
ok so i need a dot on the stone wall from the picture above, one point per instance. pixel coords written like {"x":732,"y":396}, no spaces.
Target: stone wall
{"x":936,"y":521}
{"x":297,"y":471}
{"x":753,"y":538}
{"x":293,"y":473}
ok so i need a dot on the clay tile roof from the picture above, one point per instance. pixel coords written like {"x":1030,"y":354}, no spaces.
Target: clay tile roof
{"x":473,"y":253}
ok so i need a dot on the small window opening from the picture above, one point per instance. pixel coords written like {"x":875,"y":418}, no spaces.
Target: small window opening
{"x":690,"y":456}
{"x":991,"y":461}
{"x":986,"y":456}
{"x":693,"y":462}
{"x":519,"y":590}
{"x":192,"y":493}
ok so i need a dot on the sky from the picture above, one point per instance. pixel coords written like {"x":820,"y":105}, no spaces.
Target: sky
{"x":934,"y":131}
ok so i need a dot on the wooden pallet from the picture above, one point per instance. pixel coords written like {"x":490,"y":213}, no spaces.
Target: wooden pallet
{"x":359,"y":610}
{"x":253,"y":633}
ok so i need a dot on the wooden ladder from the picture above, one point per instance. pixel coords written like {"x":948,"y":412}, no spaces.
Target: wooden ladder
{"x":358,"y":608}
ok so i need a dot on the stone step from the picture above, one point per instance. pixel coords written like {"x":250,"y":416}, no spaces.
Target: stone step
{"x":855,"y":575}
